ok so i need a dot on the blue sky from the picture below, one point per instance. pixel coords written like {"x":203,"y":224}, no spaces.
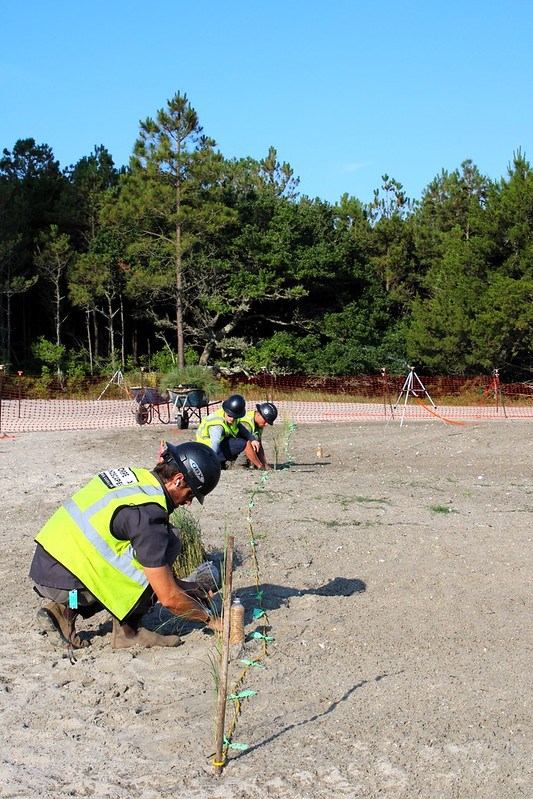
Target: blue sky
{"x":345,"y":91}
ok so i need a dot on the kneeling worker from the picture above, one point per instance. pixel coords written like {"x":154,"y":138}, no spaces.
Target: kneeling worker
{"x":222,"y":431}
{"x":254,"y":421}
{"x":112,"y":546}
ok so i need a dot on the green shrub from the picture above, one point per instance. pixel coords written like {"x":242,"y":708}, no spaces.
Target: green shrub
{"x":199,"y":376}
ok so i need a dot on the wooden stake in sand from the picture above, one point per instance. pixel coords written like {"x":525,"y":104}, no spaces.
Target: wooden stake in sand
{"x":219,"y":759}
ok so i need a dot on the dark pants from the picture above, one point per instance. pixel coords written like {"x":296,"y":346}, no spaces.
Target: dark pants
{"x":231,"y":448}
{"x":88,"y":605}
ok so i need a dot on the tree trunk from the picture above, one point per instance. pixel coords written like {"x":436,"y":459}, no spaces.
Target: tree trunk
{"x":110,"y":316}
{"x":57,"y":311}
{"x":207,"y":352}
{"x":179,"y":282}
{"x":122,"y":343}
{"x":134,"y":344}
{"x":3,"y":331}
{"x":179,"y":304}
{"x":89,"y":342}
{"x":57,"y":305}
{"x":216,"y":336}
{"x":8,"y":326}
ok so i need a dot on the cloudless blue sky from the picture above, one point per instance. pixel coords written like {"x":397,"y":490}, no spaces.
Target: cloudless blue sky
{"x":345,"y":91}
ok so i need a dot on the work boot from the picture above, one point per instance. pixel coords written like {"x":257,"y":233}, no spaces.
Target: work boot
{"x":60,"y":619}
{"x":125,"y":635}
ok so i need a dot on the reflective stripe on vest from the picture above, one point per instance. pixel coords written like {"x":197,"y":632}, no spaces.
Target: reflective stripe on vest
{"x":82,"y":519}
{"x":79,"y":536}
{"x":216,"y":419}
{"x":249,"y":421}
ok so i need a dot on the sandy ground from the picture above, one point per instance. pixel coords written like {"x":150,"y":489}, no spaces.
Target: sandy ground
{"x":396,"y":576}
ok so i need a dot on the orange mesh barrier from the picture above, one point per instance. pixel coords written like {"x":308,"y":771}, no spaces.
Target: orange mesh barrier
{"x":32,"y":403}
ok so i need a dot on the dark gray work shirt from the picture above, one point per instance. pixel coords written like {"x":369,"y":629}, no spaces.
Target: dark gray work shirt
{"x":145,"y":526}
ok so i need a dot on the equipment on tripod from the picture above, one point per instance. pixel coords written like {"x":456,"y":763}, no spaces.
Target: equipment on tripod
{"x":413,"y":386}
{"x":495,"y":387}
{"x":386,"y":393}
{"x":117,"y":380}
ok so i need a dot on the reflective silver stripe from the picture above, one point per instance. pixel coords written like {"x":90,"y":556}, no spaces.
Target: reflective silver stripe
{"x":120,"y":493}
{"x":121,"y":562}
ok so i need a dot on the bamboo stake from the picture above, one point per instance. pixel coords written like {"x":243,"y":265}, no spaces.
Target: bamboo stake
{"x":224,"y":659}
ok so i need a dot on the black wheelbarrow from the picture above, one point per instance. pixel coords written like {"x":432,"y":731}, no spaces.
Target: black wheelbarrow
{"x":187,"y":403}
{"x":151,"y":405}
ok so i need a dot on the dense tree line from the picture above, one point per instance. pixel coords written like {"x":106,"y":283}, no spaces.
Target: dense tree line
{"x":185,"y":256}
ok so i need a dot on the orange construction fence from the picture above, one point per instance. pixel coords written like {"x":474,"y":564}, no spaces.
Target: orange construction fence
{"x":29,"y":403}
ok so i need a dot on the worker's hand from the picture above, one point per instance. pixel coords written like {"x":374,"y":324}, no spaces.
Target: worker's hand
{"x":255,"y":445}
{"x":181,"y":598}
{"x":194,"y":590}
{"x":215,"y":624}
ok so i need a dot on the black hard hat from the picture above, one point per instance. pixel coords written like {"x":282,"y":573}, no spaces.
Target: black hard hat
{"x":234,"y":406}
{"x":268,"y":411}
{"x":199,"y":465}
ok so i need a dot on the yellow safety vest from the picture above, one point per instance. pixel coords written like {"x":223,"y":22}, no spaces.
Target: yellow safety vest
{"x":249,"y":420}
{"x":79,"y":536}
{"x":216,"y":419}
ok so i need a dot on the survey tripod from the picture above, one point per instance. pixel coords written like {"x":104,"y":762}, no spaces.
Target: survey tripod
{"x":412,"y":387}
{"x":117,"y":380}
{"x":495,"y":387}
{"x":386,"y":396}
